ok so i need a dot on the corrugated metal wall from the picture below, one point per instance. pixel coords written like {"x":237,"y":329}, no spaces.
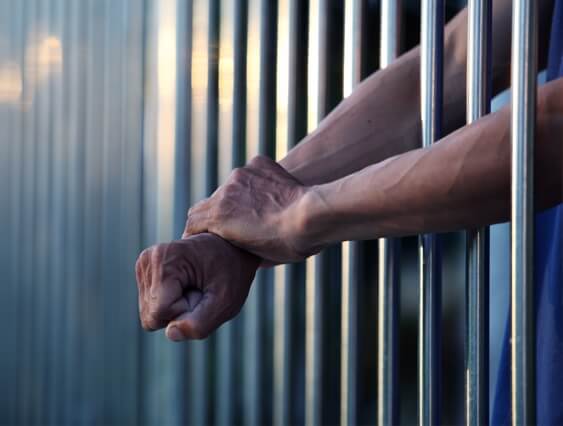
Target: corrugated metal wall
{"x":115,"y":116}
{"x":71,"y":111}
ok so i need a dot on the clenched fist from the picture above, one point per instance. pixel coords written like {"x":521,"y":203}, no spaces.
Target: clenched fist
{"x":192,"y":286}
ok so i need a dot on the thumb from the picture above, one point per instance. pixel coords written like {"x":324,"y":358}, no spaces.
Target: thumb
{"x":196,"y":324}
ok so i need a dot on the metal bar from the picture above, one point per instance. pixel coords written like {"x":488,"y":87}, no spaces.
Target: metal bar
{"x":524,"y":70}
{"x":201,"y":177}
{"x":313,"y":277}
{"x":388,"y":295}
{"x":353,"y":42}
{"x":282,"y":286}
{"x":261,"y":114}
{"x":224,"y":395}
{"x":477,"y":290}
{"x":290,"y":128}
{"x":431,"y":79}
{"x":252,"y":332}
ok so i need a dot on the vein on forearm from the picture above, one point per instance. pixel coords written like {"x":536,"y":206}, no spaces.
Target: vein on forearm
{"x":461,"y":182}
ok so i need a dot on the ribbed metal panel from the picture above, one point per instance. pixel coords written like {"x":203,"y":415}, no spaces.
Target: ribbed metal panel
{"x":74,"y":208}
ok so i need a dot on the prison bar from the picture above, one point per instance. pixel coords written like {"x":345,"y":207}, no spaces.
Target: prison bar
{"x":202,"y":168}
{"x":524,"y":71}
{"x":477,"y":284}
{"x":288,"y":48}
{"x":388,"y":294}
{"x":217,"y":143}
{"x":431,"y":80}
{"x":314,"y":282}
{"x":229,"y":23}
{"x":353,"y":39}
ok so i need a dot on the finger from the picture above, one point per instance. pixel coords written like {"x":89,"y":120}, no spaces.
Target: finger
{"x":273,"y":169}
{"x":197,"y":324}
{"x":197,"y":223}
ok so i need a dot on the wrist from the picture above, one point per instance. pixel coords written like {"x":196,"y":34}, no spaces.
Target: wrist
{"x":308,"y":219}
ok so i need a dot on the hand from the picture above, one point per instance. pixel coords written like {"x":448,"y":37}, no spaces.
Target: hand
{"x":192,"y":286}
{"x":257,"y":209}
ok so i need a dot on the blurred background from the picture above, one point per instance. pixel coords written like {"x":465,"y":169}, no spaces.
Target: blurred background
{"x":115,"y":116}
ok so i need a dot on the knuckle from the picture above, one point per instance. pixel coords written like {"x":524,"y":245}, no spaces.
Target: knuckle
{"x":237,"y":174}
{"x":257,"y":160}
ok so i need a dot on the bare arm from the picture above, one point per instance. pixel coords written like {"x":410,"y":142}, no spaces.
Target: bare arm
{"x":381,"y":118}
{"x":461,"y":182}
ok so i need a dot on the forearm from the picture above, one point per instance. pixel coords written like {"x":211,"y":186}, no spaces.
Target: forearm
{"x":381,"y":118}
{"x":461,"y":182}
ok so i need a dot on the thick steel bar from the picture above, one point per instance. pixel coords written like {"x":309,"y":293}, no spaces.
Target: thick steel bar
{"x":431,"y":76}
{"x":260,"y":119}
{"x":314,"y":291}
{"x":477,"y":285}
{"x":388,"y":279}
{"x":352,"y":67}
{"x":224,"y":394}
{"x":203,"y":168}
{"x":524,"y":69}
{"x":282,"y":285}
{"x":251,"y":312}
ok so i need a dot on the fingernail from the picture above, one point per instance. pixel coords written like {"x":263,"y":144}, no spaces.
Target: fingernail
{"x":174,"y":334}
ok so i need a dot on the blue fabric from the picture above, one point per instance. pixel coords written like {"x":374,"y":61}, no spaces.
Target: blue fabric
{"x":549,"y":293}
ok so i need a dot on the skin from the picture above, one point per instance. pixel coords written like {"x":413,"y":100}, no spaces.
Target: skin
{"x":461,"y":182}
{"x":331,"y":187}
{"x":192,"y":286}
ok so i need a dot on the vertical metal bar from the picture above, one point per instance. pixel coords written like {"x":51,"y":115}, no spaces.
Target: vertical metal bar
{"x":224,"y":395}
{"x":201,"y":69}
{"x":431,"y":76}
{"x":252,"y":334}
{"x":163,"y":384}
{"x":477,"y":300}
{"x":282,"y":286}
{"x":290,"y":127}
{"x":388,"y":274}
{"x":524,"y":70}
{"x":353,"y":43}
{"x":261,"y":86}
{"x":314,"y":291}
